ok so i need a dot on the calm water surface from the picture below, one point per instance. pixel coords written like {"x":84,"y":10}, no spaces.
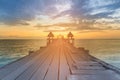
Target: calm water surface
{"x":10,"y":50}
{"x":107,"y":50}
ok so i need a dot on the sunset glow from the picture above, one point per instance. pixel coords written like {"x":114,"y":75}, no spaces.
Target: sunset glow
{"x":34,"y":19}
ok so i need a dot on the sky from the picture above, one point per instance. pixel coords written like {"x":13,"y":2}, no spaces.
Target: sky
{"x":87,"y":19}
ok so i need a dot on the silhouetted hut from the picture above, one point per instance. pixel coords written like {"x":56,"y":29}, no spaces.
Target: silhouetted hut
{"x":50,"y":35}
{"x":70,"y":38}
{"x":50,"y":38}
{"x":70,"y":35}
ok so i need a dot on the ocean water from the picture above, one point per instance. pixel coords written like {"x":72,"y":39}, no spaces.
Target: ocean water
{"x":106,"y":50}
{"x":11,"y":50}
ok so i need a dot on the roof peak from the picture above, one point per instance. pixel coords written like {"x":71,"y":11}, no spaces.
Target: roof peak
{"x":70,"y":34}
{"x":50,"y":34}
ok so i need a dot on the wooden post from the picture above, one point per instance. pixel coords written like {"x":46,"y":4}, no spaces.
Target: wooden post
{"x":30,"y":52}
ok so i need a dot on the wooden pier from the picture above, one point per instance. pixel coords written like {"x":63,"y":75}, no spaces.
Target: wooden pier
{"x":60,"y":60}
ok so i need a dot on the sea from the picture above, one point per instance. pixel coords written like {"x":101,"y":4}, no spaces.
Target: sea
{"x":107,"y":50}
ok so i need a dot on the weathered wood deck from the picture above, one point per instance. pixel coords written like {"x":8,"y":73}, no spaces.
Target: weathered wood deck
{"x":59,"y":61}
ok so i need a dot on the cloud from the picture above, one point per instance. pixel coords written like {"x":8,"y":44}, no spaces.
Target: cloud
{"x":85,"y":25}
{"x":54,"y":30}
{"x":101,"y":3}
{"x":116,"y":13}
{"x":20,"y":12}
{"x":89,"y":9}
{"x":89,"y":31}
{"x":99,"y":11}
{"x":40,"y":25}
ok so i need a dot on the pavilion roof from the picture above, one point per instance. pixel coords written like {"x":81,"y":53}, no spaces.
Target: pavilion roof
{"x":70,"y":34}
{"x":50,"y":34}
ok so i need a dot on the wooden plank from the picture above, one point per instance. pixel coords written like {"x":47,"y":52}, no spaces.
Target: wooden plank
{"x":41,"y":72}
{"x":108,"y":66}
{"x":52,"y":73}
{"x":8,"y":69}
{"x":14,"y":73}
{"x":27,"y":74}
{"x":21,"y":69}
{"x":90,"y":67}
{"x":86,"y":72}
{"x":87,"y":63}
{"x":107,"y":75}
{"x":41,"y":64}
{"x":64,"y":68}
{"x":70,"y":61}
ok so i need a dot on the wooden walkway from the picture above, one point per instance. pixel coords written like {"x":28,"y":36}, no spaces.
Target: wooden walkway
{"x":59,"y":61}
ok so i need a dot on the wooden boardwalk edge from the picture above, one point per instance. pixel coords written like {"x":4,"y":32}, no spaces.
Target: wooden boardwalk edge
{"x":107,"y":65}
